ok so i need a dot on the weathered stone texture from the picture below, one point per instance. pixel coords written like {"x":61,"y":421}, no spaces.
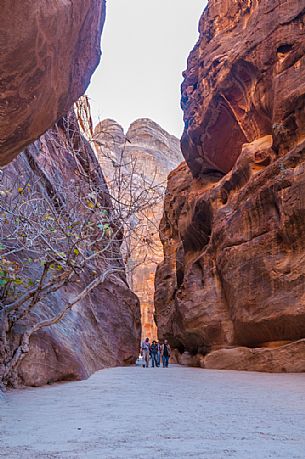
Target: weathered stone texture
{"x":245,"y":79}
{"x":233,"y":272}
{"x":287,"y":358}
{"x":48,"y":53}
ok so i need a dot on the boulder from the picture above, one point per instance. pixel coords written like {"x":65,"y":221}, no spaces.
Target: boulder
{"x":283,"y":359}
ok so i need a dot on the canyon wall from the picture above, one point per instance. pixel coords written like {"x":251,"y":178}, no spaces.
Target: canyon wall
{"x":230,"y":292}
{"x":48,"y":54}
{"x":145,"y":154}
{"x":103,"y":329}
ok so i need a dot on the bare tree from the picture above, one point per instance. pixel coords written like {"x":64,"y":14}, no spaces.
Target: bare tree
{"x":53,"y":237}
{"x":47,"y":242}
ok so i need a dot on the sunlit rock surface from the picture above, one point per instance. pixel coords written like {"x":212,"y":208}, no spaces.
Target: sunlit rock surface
{"x":153,"y":153}
{"x":233,"y":272}
{"x":245,"y":79}
{"x":286,"y":358}
{"x":48,"y":53}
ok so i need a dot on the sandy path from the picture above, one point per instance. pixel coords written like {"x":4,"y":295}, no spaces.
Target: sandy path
{"x":158,"y":413}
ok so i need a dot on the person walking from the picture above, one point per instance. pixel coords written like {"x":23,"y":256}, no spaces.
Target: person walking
{"x":165,"y":353}
{"x":159,"y":353}
{"x":154,"y":354}
{"x":145,"y":350}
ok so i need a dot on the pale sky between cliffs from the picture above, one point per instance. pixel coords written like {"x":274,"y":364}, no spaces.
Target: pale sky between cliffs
{"x":145,"y":45}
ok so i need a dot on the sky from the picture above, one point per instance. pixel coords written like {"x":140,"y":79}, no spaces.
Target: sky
{"x":145,"y":45}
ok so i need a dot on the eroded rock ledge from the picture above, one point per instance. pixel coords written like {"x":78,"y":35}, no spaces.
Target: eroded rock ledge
{"x":233,"y":274}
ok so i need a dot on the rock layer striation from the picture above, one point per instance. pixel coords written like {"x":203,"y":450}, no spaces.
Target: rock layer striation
{"x":233,"y":271}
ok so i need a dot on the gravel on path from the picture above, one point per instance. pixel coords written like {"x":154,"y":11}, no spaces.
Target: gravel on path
{"x":157,"y":413}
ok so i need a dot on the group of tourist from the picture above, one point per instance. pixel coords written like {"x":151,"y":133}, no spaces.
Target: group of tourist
{"x":155,"y":351}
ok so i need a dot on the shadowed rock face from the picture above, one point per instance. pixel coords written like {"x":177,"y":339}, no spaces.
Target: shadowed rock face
{"x":233,"y":272}
{"x":48,"y":54}
{"x":104,"y":328}
{"x":245,"y":79}
{"x":155,"y":153}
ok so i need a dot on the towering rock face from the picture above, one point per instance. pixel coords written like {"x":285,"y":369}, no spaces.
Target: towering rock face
{"x":233,"y":270}
{"x":48,"y":54}
{"x":245,"y":79}
{"x":103,"y":329}
{"x":152,"y":153}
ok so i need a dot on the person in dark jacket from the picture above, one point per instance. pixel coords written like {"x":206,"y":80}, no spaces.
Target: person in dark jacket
{"x":154,"y":354}
{"x":159,"y":353}
{"x":165,"y":353}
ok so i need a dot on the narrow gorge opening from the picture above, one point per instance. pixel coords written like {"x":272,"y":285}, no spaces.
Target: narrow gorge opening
{"x":136,"y":164}
{"x":82,"y":202}
{"x":140,"y":135}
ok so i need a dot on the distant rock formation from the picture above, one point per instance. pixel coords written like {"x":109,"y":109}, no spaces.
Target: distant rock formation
{"x":153,"y":153}
{"x":48,"y":54}
{"x":104,"y":328}
{"x":230,"y":291}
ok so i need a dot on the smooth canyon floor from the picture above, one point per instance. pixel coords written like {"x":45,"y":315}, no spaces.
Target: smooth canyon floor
{"x":177,"y":412}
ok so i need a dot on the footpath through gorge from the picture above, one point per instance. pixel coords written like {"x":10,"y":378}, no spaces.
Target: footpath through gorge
{"x":140,"y":413}
{"x":229,"y":291}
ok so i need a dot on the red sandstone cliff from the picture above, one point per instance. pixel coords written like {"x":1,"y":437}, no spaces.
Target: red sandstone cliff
{"x":231,"y":288}
{"x":48,"y":53}
{"x":244,"y":80}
